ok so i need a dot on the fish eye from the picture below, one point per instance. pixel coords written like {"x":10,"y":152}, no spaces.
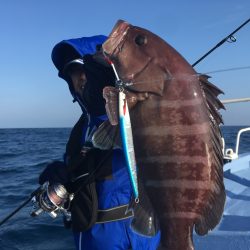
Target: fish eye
{"x":140,"y":40}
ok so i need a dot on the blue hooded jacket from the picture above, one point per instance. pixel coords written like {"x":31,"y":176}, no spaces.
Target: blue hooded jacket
{"x":108,"y":191}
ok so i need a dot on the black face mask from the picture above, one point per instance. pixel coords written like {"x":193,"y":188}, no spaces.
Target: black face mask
{"x":98,"y":76}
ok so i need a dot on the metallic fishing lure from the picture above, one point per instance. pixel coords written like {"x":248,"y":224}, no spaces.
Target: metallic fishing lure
{"x":127,"y":142}
{"x":127,"y":136}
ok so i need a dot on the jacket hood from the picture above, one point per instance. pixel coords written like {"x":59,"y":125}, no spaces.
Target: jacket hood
{"x":68,"y":50}
{"x":98,"y":76}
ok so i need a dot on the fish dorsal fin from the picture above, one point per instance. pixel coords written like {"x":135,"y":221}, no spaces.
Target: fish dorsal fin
{"x":107,"y":136}
{"x":211,"y":94}
{"x":213,"y":211}
{"x":215,"y":90}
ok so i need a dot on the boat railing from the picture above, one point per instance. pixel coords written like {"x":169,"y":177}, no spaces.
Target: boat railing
{"x":229,"y":153}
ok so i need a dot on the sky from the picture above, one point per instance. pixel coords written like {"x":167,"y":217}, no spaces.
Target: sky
{"x":32,"y":95}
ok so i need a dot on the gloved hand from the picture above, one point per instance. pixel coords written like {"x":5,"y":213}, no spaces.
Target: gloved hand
{"x":55,"y":172}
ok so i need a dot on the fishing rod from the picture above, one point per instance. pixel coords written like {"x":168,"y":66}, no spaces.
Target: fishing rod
{"x":52,"y":198}
{"x":21,"y":206}
{"x":230,"y":38}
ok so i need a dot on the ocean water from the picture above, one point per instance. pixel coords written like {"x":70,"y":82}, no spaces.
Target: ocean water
{"x":24,"y":153}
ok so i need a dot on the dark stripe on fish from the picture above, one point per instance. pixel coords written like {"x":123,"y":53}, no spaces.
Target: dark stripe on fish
{"x":177,"y":146}
{"x":170,"y":170}
{"x":178,"y":130}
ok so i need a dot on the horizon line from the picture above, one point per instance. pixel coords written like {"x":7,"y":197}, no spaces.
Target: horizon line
{"x":68,"y":127}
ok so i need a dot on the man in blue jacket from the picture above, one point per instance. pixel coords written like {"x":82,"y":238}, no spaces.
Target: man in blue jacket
{"x":99,"y":179}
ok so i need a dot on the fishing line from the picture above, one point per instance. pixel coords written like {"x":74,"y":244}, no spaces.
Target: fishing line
{"x":155,"y":80}
{"x":226,"y":70}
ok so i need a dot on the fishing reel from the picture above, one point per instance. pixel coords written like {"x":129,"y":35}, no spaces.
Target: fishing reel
{"x":53,"y":199}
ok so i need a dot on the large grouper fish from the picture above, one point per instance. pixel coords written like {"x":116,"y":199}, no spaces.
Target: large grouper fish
{"x":177,"y":139}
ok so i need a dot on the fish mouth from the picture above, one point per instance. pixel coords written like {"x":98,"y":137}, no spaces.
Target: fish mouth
{"x":115,"y":38}
{"x":132,"y":80}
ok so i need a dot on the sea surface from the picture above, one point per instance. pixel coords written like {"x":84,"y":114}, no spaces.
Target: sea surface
{"x":24,"y":153}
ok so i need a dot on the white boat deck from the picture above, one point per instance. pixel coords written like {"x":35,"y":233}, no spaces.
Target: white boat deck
{"x":233,"y":232}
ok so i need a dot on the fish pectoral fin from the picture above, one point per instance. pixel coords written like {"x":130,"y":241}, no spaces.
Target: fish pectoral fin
{"x":110,"y":94}
{"x":107,"y":136}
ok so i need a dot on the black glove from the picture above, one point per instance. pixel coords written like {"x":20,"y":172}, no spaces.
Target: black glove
{"x":55,"y":172}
